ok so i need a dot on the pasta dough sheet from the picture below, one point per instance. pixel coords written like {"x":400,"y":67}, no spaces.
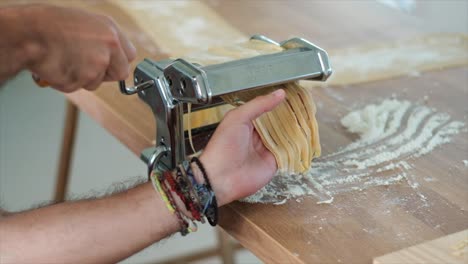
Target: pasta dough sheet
{"x":403,"y":57}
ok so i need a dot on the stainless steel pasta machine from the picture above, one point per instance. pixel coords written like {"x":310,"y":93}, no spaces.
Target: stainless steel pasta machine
{"x":168,"y":85}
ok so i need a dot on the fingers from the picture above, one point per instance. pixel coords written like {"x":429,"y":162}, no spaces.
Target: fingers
{"x":122,"y":53}
{"x":94,"y":84}
{"x":118,"y":67}
{"x":127,"y":46}
{"x":82,"y":56}
{"x":121,"y":57}
{"x":125,"y":43}
{"x":262,"y":104}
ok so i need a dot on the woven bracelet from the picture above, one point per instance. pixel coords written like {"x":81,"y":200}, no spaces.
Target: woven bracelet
{"x":158,"y":178}
{"x":192,"y":201}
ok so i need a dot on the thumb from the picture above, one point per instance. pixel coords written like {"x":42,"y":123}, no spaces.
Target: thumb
{"x":261,"y":104}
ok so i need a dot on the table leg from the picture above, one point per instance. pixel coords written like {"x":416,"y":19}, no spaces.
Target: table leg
{"x":225,"y":245}
{"x":66,"y":152}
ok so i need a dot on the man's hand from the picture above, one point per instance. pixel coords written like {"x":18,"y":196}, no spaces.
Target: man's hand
{"x":237,"y":162}
{"x":77,"y":49}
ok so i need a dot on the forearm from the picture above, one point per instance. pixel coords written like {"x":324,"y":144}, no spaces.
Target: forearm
{"x":20,"y":43}
{"x":104,"y":230}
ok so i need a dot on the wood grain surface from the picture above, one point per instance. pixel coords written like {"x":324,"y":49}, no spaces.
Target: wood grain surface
{"x":357,"y":226}
{"x":451,"y":249}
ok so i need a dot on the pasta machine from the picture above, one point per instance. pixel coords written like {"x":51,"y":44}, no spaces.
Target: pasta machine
{"x":167,"y":86}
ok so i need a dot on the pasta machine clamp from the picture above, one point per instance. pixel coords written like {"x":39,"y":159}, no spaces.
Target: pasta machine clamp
{"x":168,"y":85}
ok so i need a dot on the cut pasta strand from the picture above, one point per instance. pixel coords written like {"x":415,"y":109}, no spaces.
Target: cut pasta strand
{"x":290,"y":131}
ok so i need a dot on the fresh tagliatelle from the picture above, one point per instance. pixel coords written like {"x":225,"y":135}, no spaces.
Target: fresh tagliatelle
{"x":290,"y":131}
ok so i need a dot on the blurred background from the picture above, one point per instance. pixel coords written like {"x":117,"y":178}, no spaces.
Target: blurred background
{"x":31,"y":126}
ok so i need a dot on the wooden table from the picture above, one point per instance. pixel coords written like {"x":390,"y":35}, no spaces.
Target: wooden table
{"x":357,"y":226}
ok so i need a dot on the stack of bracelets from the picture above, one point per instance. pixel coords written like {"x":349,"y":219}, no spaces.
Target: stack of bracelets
{"x":198,"y":198}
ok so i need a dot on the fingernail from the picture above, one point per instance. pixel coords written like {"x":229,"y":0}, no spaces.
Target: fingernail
{"x":278,"y":93}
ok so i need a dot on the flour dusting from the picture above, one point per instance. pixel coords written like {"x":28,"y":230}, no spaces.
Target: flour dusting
{"x":392,"y":134}
{"x":181,"y":26}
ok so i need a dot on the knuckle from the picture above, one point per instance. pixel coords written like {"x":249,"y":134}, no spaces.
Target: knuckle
{"x":112,"y":37}
{"x":109,"y":25}
{"x":89,"y":75}
{"x":101,"y":61}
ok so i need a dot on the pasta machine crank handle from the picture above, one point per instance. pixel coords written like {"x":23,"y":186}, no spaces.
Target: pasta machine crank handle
{"x":134,"y":89}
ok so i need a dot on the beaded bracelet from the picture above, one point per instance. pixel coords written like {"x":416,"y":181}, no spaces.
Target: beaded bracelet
{"x":205,"y":195}
{"x":211,"y":212}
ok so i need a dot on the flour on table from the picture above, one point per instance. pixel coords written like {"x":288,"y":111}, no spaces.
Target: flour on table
{"x":180,"y":26}
{"x":392,"y":134}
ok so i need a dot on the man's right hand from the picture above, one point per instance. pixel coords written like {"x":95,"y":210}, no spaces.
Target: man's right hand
{"x":77,"y":49}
